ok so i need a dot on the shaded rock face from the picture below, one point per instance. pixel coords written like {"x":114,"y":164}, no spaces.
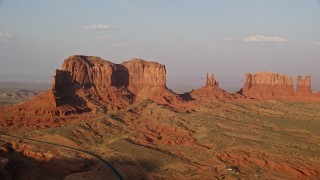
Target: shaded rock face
{"x":266,"y":85}
{"x":89,"y":71}
{"x":3,"y":163}
{"x":92,"y":82}
{"x":303,"y":85}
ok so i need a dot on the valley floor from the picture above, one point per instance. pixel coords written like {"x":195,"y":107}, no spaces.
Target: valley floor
{"x":226,"y":140}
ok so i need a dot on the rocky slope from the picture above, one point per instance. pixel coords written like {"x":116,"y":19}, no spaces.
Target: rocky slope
{"x":210,"y":94}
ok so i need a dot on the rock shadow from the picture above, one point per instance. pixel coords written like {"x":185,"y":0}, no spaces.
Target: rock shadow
{"x":140,"y":169}
{"x":120,"y":77}
{"x":186,"y":97}
{"x":35,"y":165}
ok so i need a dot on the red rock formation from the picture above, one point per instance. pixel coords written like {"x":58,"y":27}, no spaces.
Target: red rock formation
{"x":210,"y":93}
{"x":211,"y":81}
{"x":266,"y":85}
{"x":271,"y":86}
{"x":92,"y":82}
{"x":145,"y":73}
{"x":110,"y":86}
{"x":147,"y":80}
{"x":89,"y":70}
{"x":87,"y":86}
{"x":303,"y":86}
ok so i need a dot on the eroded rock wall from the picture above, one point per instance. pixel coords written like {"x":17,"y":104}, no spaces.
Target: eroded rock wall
{"x":266,"y":85}
{"x":275,"y":86}
{"x":303,"y":86}
{"x":136,"y":79}
{"x":144,"y":73}
{"x":85,"y":70}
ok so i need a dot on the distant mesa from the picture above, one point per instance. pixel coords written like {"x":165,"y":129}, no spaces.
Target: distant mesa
{"x":275,"y":86}
{"x":266,"y":85}
{"x":20,"y":94}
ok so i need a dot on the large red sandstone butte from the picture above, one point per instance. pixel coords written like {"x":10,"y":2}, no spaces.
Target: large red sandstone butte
{"x":105,"y":86}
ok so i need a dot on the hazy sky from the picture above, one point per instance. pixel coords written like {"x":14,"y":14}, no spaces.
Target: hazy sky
{"x":191,"y":37}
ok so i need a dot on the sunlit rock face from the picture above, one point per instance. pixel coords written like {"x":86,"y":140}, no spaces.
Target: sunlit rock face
{"x":266,"y":85}
{"x":303,"y":86}
{"x":145,"y":73}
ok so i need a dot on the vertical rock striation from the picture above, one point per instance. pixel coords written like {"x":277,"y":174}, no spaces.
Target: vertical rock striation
{"x":145,"y":75}
{"x":90,"y":71}
{"x":211,"y":81}
{"x":303,"y":86}
{"x":274,"y":86}
{"x":266,"y":85}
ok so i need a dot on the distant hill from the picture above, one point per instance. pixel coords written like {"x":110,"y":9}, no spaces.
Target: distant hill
{"x":8,"y":87}
{"x":25,"y":78}
{"x":15,"y":92}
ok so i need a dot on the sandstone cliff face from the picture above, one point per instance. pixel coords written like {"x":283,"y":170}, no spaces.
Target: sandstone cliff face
{"x":144,"y":73}
{"x":303,"y":86}
{"x":88,"y":71}
{"x":92,"y":82}
{"x":147,"y":80}
{"x":274,"y":86}
{"x":266,"y":85}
